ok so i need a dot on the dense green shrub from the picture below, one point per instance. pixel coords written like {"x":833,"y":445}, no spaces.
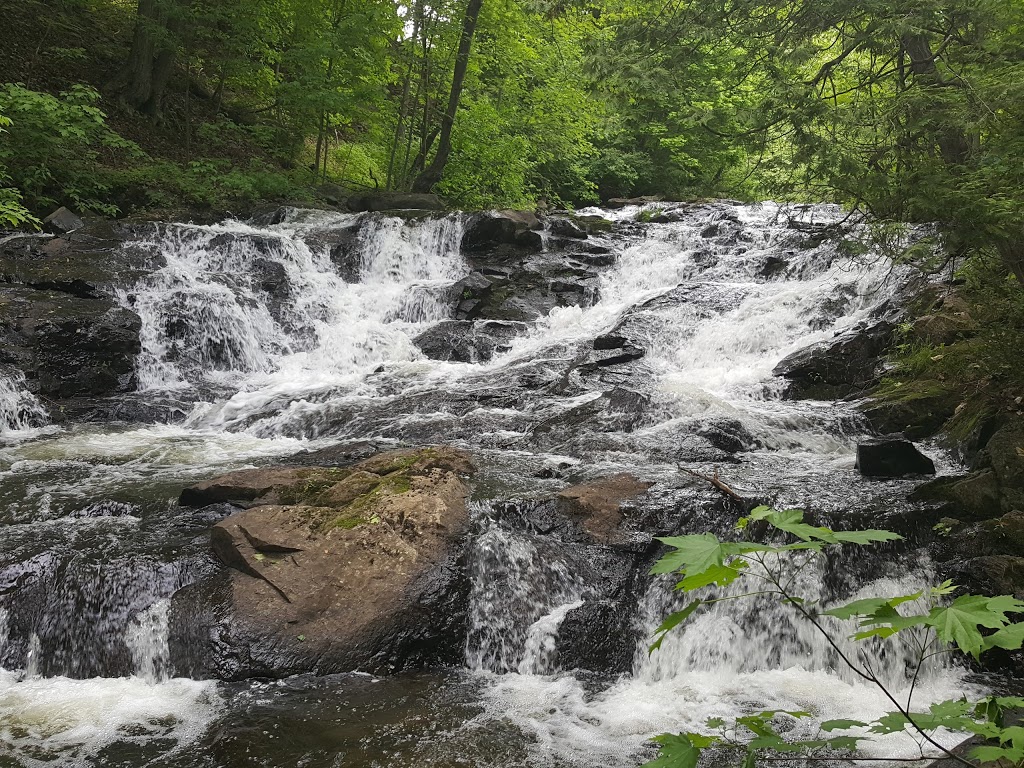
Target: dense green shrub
{"x":55,"y":145}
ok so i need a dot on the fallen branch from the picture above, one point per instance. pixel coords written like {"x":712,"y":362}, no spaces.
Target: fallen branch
{"x":716,"y":483}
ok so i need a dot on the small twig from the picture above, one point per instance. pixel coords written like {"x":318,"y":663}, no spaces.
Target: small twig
{"x":714,"y":481}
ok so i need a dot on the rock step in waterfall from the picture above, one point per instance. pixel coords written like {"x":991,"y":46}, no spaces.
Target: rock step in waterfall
{"x":569,"y":365}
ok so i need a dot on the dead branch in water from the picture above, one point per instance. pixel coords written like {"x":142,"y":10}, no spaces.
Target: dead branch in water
{"x":715,"y":482}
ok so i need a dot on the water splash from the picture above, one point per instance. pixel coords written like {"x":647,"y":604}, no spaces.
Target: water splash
{"x":20,"y":411}
{"x":519,"y":593}
{"x":147,"y":637}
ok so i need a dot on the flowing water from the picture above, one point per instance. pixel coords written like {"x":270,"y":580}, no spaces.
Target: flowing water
{"x":258,"y":344}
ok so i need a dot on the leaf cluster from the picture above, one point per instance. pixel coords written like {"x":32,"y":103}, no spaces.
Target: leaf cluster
{"x":972,"y":624}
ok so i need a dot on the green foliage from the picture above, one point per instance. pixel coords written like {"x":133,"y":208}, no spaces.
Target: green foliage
{"x":55,"y":144}
{"x":12,"y":212}
{"x":972,"y":624}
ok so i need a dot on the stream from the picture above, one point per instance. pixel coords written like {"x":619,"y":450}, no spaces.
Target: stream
{"x":257,"y":346}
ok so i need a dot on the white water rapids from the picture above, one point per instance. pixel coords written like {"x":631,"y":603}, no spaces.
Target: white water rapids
{"x":272,"y":342}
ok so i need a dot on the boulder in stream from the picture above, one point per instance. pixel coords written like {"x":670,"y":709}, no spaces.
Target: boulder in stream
{"x":330,"y":569}
{"x":839,"y":367}
{"x":892,"y":457}
{"x":466,"y":341}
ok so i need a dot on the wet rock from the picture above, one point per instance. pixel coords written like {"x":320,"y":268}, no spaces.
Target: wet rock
{"x":616,"y":356}
{"x":610,"y":341}
{"x":593,"y":224}
{"x":91,"y":262}
{"x":340,"y":455}
{"x":999,"y":536}
{"x":68,"y":346}
{"x":357,"y":572}
{"x":564,"y":227}
{"x":468,"y":341}
{"x":395,"y":201}
{"x":727,"y":435}
{"x":616,"y":410}
{"x":990,"y":575}
{"x":622,"y":202}
{"x":1005,"y":454}
{"x":837,"y":368}
{"x":307,"y":485}
{"x":598,"y":504}
{"x":773,"y":266}
{"x":892,"y":457}
{"x":273,"y":216}
{"x":345,"y":246}
{"x":62,"y":221}
{"x":918,"y":409}
{"x":333,"y":194}
{"x":598,"y":636}
{"x":493,"y":228}
{"x":973,"y":497}
{"x":270,"y":277}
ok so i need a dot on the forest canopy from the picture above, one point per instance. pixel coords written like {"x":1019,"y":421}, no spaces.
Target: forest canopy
{"x":907,"y":109}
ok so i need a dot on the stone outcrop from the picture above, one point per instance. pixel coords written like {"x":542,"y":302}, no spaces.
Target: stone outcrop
{"x":493,"y":229}
{"x":59,"y":321}
{"x":330,"y":569}
{"x":892,"y":457}
{"x":396,"y":201}
{"x":467,"y":341}
{"x":839,"y":367}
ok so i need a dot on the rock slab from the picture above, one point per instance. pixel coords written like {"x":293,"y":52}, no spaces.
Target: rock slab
{"x":330,"y":569}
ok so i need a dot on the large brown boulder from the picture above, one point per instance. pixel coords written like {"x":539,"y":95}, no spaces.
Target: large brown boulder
{"x":330,"y":569}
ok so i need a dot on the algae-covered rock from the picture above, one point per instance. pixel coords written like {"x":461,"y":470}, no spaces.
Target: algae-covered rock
{"x":1005,"y":451}
{"x":917,"y":409}
{"x":971,"y":497}
{"x":330,"y":569}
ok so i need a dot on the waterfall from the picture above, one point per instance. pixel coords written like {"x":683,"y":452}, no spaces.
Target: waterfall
{"x":20,"y":410}
{"x":147,"y":638}
{"x":520,"y":592}
{"x":274,"y":338}
{"x":248,"y":307}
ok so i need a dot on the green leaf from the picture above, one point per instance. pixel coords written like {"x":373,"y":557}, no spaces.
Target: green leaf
{"x":1011,"y":638}
{"x":960,"y":622}
{"x":715,"y":722}
{"x":722,"y":575}
{"x":869,"y":606}
{"x":672,"y":621}
{"x":791,"y":521}
{"x":694,"y":554}
{"x":891,"y":722}
{"x":995,"y":754}
{"x":681,"y":750}
{"x":866,"y":537}
{"x":841,"y":725}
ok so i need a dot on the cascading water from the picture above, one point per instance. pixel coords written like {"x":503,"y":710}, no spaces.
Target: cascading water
{"x":274,"y":338}
{"x":20,"y":410}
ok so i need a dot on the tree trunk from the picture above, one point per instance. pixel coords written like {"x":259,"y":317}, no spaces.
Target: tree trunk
{"x":954,"y":144}
{"x":151,"y":60}
{"x":432,"y":173}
